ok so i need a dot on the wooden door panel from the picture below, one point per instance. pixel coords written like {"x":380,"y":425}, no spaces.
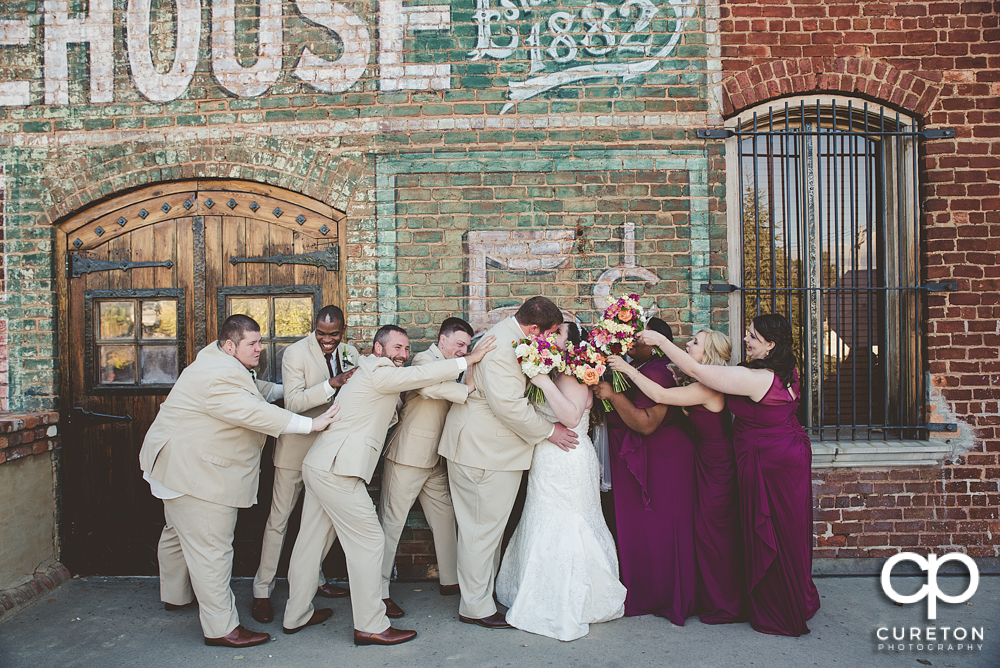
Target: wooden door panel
{"x":112,"y":521}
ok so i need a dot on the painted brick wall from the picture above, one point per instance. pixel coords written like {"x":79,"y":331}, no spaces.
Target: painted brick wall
{"x":940,"y":61}
{"x":173,"y":91}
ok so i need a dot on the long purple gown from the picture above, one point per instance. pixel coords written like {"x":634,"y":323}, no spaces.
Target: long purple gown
{"x":718,"y":534}
{"x":653,"y":485}
{"x":773,"y":459}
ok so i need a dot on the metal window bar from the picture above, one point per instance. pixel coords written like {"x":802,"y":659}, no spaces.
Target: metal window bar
{"x":817,"y":183}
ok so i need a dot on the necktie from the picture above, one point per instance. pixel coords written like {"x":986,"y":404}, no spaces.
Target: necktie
{"x":329,"y":364}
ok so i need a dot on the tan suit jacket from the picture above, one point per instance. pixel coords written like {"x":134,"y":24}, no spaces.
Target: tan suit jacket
{"x":415,"y":441}
{"x":352,"y":446}
{"x":305,"y":375}
{"x":207,"y":438}
{"x":496,"y":429}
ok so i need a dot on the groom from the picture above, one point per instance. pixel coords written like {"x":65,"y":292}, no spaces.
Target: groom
{"x":488,"y":442}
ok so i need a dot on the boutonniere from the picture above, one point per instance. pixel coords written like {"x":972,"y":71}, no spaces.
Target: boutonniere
{"x":345,"y":361}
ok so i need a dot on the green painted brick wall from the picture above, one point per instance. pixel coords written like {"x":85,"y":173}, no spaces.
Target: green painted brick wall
{"x":425,"y":171}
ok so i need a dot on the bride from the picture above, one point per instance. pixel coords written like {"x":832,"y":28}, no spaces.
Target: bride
{"x":560,"y":571}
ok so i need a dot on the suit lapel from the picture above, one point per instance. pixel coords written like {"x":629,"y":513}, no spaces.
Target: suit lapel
{"x":318,"y":355}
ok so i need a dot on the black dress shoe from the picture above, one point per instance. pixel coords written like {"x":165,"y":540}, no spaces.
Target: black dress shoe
{"x":449,"y":590}
{"x":319,"y":616}
{"x":332,"y":591}
{"x":495,"y":621}
{"x":262,"y":610}
{"x":239,"y":638}
{"x":390,"y":636}
{"x":392,"y":610}
{"x":171,"y":607}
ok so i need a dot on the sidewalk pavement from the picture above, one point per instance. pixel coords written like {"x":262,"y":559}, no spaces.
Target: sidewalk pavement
{"x":105,"y":622}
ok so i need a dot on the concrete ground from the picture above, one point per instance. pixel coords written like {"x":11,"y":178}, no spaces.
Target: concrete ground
{"x":105,"y":622}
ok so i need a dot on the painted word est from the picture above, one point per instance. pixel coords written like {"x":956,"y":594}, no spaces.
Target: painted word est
{"x":96,"y":29}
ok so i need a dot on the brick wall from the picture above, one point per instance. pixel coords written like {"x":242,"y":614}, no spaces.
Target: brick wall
{"x":420,"y":87}
{"x":940,"y":61}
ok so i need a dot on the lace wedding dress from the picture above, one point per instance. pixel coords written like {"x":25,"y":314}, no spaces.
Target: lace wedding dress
{"x":560,"y":571}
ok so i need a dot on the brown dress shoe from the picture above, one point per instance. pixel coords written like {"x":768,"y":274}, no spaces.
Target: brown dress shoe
{"x":449,"y":590}
{"x":171,"y":607}
{"x":239,"y":638}
{"x":390,"y":636}
{"x":495,"y":621}
{"x":319,"y":616}
{"x":332,"y":591}
{"x":392,"y":611}
{"x":262,"y":610}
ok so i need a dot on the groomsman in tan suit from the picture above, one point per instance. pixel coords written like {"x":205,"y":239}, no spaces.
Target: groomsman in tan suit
{"x":201,"y":456}
{"x":336,"y":473}
{"x":313,"y":370}
{"x":488,"y":442}
{"x":413,"y":469}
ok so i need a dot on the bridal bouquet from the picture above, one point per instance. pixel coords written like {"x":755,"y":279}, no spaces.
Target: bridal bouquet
{"x":538,"y":354}
{"x":615,"y":334}
{"x":584,"y":362}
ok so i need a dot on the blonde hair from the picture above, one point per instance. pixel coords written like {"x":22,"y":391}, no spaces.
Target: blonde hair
{"x":718,"y":351}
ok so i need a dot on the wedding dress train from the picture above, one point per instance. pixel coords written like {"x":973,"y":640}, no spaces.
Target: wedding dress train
{"x":560,"y":571}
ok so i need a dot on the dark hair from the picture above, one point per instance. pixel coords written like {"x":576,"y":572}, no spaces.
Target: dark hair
{"x":452,"y":325}
{"x":330,"y":313}
{"x":539,"y":311}
{"x":573,"y":335}
{"x":383,"y":334}
{"x":658,"y":325}
{"x":236,"y":327}
{"x":774,"y":327}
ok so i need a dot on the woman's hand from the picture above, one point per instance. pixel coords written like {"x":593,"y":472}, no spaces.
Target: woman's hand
{"x":603,"y":390}
{"x":651,"y":337}
{"x":541,"y":381}
{"x":618,"y":364}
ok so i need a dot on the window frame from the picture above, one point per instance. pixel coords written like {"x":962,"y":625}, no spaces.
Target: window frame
{"x":900,"y":218}
{"x":225,"y":294}
{"x":90,"y":297}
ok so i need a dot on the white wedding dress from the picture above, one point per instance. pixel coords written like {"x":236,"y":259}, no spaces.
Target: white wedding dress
{"x":560,"y":571}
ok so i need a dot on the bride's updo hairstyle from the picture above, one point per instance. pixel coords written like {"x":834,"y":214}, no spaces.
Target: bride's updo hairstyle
{"x":774,"y":327}
{"x":573,"y":334}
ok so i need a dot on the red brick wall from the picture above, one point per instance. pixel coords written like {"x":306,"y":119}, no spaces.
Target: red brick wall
{"x":941,"y":62}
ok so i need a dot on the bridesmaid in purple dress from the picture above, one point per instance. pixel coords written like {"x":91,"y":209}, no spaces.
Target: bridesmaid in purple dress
{"x":652,"y":474}
{"x":773,"y":457}
{"x":718,"y":535}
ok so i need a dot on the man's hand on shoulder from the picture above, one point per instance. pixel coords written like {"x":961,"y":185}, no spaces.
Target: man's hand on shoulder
{"x":487,"y":344}
{"x":563,"y":438}
{"x":341,"y":379}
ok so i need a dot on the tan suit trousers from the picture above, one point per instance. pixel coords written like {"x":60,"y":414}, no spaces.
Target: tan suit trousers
{"x":337,"y":505}
{"x":287,"y":487}
{"x":196,"y":556}
{"x":401,"y":486}
{"x":483,"y":501}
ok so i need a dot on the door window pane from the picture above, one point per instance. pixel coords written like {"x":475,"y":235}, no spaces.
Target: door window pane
{"x":256,"y":308}
{"x":292,"y":316}
{"x":159,"y":365}
{"x":117,"y":320}
{"x":159,"y":319}
{"x":117,"y":365}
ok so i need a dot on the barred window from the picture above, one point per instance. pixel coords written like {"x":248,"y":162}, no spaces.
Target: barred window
{"x":824,"y":211}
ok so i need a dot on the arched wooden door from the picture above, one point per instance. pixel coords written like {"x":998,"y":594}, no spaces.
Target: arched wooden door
{"x":148,"y":278}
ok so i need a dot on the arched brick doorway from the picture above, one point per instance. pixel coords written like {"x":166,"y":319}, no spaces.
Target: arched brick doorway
{"x":145,"y":279}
